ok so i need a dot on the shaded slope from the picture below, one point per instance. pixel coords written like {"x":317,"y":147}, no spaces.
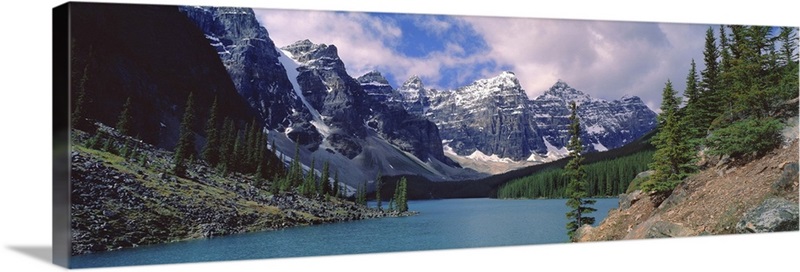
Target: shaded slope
{"x":155,"y":56}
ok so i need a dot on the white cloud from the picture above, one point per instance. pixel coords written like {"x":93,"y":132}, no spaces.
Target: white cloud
{"x":364,"y":42}
{"x":432,"y":24}
{"x":605,"y":59}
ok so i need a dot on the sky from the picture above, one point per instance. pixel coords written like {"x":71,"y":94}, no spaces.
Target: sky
{"x":605,"y":59}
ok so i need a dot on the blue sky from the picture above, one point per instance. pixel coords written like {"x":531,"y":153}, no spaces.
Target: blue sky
{"x":603,"y":58}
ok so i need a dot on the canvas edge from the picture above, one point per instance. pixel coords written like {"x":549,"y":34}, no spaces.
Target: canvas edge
{"x":61,"y":139}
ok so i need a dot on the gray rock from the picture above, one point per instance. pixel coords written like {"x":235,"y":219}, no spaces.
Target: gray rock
{"x":678,"y":195}
{"x":645,"y":174}
{"x":663,"y":229}
{"x":772,"y":215}
{"x":582,"y":231}
{"x":626,"y":200}
{"x":788,"y":178}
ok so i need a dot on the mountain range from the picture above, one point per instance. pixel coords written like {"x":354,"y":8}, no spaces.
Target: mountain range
{"x":305,"y":98}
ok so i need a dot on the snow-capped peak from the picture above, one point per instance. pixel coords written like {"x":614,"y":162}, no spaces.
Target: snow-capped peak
{"x":414,"y":82}
{"x":562,"y":91}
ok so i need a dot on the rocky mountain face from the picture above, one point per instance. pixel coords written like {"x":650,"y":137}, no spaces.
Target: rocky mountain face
{"x":346,"y":104}
{"x":251,"y":59}
{"x":378,"y":88}
{"x":489,"y":116}
{"x":303,"y":92}
{"x":493,"y":119}
{"x":338,"y":103}
{"x":605,"y":124}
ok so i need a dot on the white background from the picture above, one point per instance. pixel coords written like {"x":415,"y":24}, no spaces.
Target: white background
{"x":26,"y":104}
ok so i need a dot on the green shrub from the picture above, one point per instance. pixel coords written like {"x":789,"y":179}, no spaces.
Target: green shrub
{"x":746,"y":137}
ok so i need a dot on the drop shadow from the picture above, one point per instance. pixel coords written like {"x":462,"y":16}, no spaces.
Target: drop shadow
{"x":42,"y":253}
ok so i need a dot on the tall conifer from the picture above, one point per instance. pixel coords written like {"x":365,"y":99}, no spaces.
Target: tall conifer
{"x":185,"y":147}
{"x":212,"y":148}
{"x":674,"y":155}
{"x":576,"y":187}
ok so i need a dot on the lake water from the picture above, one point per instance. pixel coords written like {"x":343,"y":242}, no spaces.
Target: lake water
{"x":441,"y":224}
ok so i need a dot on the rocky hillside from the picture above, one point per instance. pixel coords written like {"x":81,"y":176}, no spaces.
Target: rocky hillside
{"x":120,"y":202}
{"x":727,"y":197}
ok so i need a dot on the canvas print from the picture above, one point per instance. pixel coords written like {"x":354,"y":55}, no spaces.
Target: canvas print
{"x":202,"y":133}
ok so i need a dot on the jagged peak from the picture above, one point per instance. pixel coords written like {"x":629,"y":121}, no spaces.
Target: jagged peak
{"x":508,"y":77}
{"x":413,"y":82}
{"x":305,"y":51}
{"x":562,"y":91}
{"x":505,"y":78}
{"x":631,"y":98}
{"x":373,"y":76}
{"x":305,"y":42}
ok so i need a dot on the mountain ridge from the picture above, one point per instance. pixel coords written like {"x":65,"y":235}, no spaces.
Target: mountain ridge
{"x":480,"y":119}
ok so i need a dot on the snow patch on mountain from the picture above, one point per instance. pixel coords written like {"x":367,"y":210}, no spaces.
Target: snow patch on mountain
{"x":555,"y":152}
{"x":479,"y":156}
{"x":599,"y":147}
{"x":291,"y":66}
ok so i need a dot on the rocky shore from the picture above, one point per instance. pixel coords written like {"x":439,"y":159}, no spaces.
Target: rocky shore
{"x":728,"y":197}
{"x":119,"y":202}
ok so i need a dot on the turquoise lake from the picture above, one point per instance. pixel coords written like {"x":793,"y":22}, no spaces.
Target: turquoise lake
{"x":440,"y":224}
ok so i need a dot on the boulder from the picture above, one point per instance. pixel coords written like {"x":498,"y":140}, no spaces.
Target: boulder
{"x":627,"y":200}
{"x":787,"y":179}
{"x":645,"y":174}
{"x":772,"y":215}
{"x":654,"y":227}
{"x":582,"y":232}
{"x":663,"y":229}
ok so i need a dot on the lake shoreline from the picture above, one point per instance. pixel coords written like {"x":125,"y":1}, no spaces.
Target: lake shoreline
{"x":119,"y":202}
{"x":439,"y":224}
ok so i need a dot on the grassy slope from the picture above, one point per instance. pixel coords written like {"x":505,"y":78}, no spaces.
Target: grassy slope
{"x":118,"y":203}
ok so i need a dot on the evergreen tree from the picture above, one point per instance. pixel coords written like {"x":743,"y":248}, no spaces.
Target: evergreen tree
{"x":124,"y":122}
{"x":226,"y":155}
{"x":674,"y":155}
{"x":295,"y":170}
{"x":336,"y":190}
{"x":78,"y":119}
{"x":185,"y":147}
{"x":395,"y":198}
{"x":402,"y":195}
{"x":211,"y":151}
{"x":576,"y":187}
{"x":709,"y":101}
{"x":237,"y":162}
{"x":378,"y":185}
{"x":693,"y":109}
{"x":788,"y":82}
{"x":259,"y":176}
{"x":361,"y":194}
{"x":309,"y":187}
{"x":326,"y":180}
{"x":251,"y":146}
